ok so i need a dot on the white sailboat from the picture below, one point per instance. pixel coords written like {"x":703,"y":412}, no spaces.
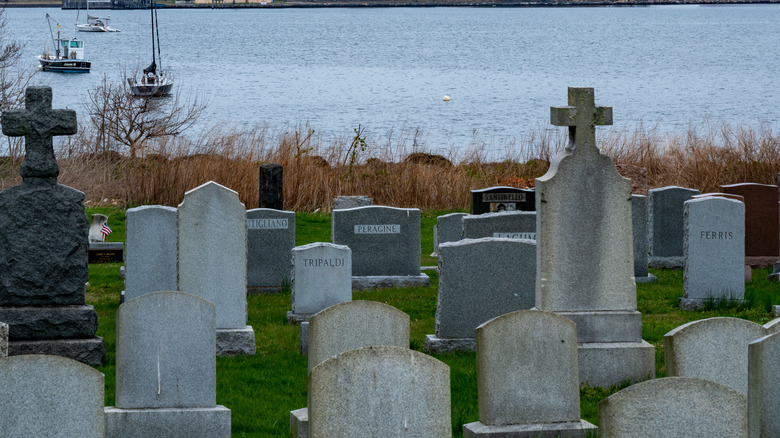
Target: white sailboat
{"x":94,"y":24}
{"x":153,"y":82}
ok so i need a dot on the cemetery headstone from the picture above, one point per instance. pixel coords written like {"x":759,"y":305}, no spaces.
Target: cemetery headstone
{"x":493,"y":198}
{"x":674,"y":407}
{"x":639,"y":227}
{"x":43,"y":244}
{"x":96,"y":228}
{"x":449,"y":228}
{"x":763,"y":378}
{"x":321,"y":277}
{"x":585,"y":254}
{"x":152,"y":250}
{"x":762,"y":232}
{"x":510,"y":225}
{"x":346,"y":326}
{"x":527,"y":377}
{"x":166,"y":370}
{"x":101,"y":251}
{"x":665,"y":225}
{"x":3,"y":339}
{"x":272,"y":186}
{"x":270,"y":237}
{"x":714,"y":251}
{"x":480,"y":279}
{"x":342,"y":202}
{"x":775,"y":275}
{"x":212,"y":261}
{"x":385,"y":244}
{"x":380,"y":391}
{"x":715,"y":349}
{"x":50,"y":396}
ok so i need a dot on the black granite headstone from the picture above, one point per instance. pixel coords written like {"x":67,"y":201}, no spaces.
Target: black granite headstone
{"x":523,"y":199}
{"x":272,"y":186}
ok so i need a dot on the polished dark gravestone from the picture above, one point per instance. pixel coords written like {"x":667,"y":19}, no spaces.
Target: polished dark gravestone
{"x":272,"y":186}
{"x":501,"y":196}
{"x":43,"y":244}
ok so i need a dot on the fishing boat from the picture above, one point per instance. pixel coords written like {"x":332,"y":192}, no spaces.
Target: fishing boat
{"x":153,"y":81}
{"x":68,"y":56}
{"x":94,"y":24}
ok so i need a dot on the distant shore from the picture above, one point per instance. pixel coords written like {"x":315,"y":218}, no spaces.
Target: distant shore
{"x":415,"y":3}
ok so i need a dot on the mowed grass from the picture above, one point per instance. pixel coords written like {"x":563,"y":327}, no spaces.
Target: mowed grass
{"x":262,"y":389}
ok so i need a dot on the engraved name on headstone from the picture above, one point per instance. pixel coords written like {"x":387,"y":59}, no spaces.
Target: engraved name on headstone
{"x":267,"y":224}
{"x":378,"y":229}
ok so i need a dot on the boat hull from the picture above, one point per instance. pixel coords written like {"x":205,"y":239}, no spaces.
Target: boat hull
{"x":65,"y":65}
{"x":151,"y":90}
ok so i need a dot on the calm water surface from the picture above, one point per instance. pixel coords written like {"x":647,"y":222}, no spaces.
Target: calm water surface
{"x":389,"y":68}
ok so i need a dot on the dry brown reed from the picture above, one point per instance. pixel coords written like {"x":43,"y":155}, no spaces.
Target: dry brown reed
{"x":397,"y":171}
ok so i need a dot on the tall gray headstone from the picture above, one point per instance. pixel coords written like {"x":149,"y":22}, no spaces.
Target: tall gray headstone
{"x":509,"y":224}
{"x":763,"y":380}
{"x":527,"y":377}
{"x":380,"y":391}
{"x":585,"y":253}
{"x":212,"y":261}
{"x":270,"y":236}
{"x":272,"y":186}
{"x":480,"y":279}
{"x":666,"y":225}
{"x":321,"y":277}
{"x":714,"y":249}
{"x":715,"y":349}
{"x":346,"y":326}
{"x":49,"y":396}
{"x":449,"y":228}
{"x":43,"y":244}
{"x":166,"y":369}
{"x":3,"y":339}
{"x":152,"y":250}
{"x":674,"y":407}
{"x":639,"y":226}
{"x":385,"y":243}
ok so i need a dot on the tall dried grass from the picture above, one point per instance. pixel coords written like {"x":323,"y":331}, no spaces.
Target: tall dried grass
{"x":397,"y":170}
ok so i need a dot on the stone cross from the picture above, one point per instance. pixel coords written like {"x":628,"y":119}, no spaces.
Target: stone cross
{"x":581,"y":116}
{"x":38,"y":123}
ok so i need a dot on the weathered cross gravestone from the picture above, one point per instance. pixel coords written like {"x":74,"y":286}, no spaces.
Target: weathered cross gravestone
{"x":166,"y":369}
{"x":763,"y":378}
{"x":449,"y":228}
{"x":510,"y":225}
{"x":321,"y":277}
{"x":380,"y":391}
{"x":270,"y":236}
{"x":674,"y":407}
{"x":527,"y":377}
{"x":3,"y":339}
{"x":715,"y":349}
{"x":272,"y":186}
{"x":480,"y":279}
{"x":43,"y":244}
{"x":714,"y":251}
{"x":385,"y":244}
{"x":49,"y":396}
{"x":492,"y":198}
{"x":152,"y":250}
{"x":665,"y":225}
{"x":762,"y":232}
{"x":346,"y":326}
{"x":584,"y":250}
{"x":639,"y":226}
{"x":212,"y":261}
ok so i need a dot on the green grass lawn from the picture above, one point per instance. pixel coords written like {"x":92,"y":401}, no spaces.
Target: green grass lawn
{"x":262,"y":389}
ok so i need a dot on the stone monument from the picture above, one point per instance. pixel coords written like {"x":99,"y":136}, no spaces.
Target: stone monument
{"x":43,"y":244}
{"x":585,"y":268}
{"x":272,"y":186}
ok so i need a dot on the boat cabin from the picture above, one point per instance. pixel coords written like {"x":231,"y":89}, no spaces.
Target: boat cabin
{"x":71,"y":49}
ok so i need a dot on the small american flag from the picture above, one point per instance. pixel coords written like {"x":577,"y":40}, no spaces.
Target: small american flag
{"x":105,"y":231}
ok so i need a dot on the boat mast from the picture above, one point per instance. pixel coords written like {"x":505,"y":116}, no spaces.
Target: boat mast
{"x":154,"y":63}
{"x":157,"y":29}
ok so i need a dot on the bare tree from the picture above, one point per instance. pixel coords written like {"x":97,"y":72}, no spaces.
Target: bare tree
{"x":124,"y":121}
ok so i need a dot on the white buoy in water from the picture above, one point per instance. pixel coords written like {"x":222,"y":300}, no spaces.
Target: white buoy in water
{"x":446,"y":98}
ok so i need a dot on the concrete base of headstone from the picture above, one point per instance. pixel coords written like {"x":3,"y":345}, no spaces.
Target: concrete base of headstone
{"x":41,"y":323}
{"x":699,"y":303}
{"x":757,"y":262}
{"x":605,"y":364}
{"x":578,"y":429}
{"x":435,"y":345}
{"x":91,"y":351}
{"x":168,"y":422}
{"x":297,"y":318}
{"x":235,"y":342}
{"x":385,"y":282}
{"x":263,"y":290}
{"x":304,"y":345}
{"x":106,"y":252}
{"x":607,"y":326}
{"x":299,"y":423}
{"x":3,"y":339}
{"x":666,"y":262}
{"x":650,"y":278}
